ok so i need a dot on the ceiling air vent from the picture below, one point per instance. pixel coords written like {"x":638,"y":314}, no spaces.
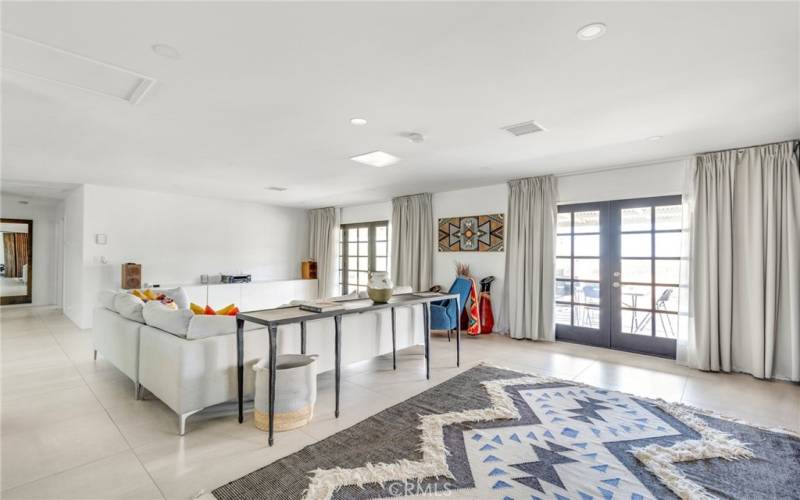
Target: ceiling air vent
{"x":524,"y":128}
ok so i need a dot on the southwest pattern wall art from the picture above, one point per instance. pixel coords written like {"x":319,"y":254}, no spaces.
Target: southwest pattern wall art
{"x":475,"y":233}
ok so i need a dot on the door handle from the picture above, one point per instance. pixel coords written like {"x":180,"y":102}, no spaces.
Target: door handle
{"x":615,"y":284}
{"x":616,"y":274}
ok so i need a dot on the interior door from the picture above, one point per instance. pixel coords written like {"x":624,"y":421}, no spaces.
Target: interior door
{"x":645,"y":270}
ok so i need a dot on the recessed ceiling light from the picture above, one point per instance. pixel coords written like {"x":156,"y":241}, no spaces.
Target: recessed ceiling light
{"x":167,"y":51}
{"x":275,"y":188}
{"x":591,"y":31}
{"x":415,"y":137}
{"x":655,"y":138}
{"x":376,"y":159}
{"x":358,"y":121}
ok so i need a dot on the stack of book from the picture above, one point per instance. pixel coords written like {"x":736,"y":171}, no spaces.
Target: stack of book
{"x":321,"y":306}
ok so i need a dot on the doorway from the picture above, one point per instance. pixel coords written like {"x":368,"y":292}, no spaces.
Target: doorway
{"x":16,"y":267}
{"x":617,"y":274}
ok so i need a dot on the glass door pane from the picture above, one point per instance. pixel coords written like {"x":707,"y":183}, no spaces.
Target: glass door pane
{"x":581,"y":295}
{"x":645,"y":244}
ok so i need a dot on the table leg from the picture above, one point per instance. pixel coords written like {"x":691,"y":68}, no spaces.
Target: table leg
{"x":273,"y":335}
{"x":337,"y":320}
{"x":426,"y":319}
{"x":302,"y":337}
{"x":458,"y":331}
{"x":240,"y":366}
{"x":394,"y":342}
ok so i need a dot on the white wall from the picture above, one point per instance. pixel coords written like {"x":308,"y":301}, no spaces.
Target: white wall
{"x":45,"y":214}
{"x":73,"y":257}
{"x":177,"y":238}
{"x":658,"y":179}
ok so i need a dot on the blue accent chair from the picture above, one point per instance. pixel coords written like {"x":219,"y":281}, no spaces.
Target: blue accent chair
{"x":445,"y":314}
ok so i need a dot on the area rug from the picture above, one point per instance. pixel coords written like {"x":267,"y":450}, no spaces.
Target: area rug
{"x":491,"y":432}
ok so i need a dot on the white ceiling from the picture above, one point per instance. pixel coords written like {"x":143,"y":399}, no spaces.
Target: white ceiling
{"x":263,"y":92}
{"x":47,"y":192}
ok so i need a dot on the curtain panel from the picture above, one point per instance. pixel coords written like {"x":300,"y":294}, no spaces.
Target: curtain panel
{"x":530,"y":258}
{"x":323,"y":243}
{"x":744,"y":262}
{"x":412,"y":241}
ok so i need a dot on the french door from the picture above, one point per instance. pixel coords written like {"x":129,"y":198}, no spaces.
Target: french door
{"x":617,"y":274}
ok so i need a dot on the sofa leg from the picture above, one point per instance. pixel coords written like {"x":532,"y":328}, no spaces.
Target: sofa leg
{"x":182,"y":421}
{"x":95,"y":354}
{"x":137,"y":390}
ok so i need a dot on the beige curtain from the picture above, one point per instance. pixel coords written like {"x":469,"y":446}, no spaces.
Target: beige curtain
{"x":530,"y":258}
{"x":744,"y":275}
{"x":412,"y":241}
{"x":323,"y":242}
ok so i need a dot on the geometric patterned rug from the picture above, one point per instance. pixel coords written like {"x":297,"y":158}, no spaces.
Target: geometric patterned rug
{"x":497,"y":433}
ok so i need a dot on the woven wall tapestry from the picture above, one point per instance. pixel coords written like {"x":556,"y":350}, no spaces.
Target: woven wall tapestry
{"x":475,"y":233}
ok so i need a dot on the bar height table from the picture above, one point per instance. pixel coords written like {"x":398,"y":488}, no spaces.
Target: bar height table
{"x":273,"y":318}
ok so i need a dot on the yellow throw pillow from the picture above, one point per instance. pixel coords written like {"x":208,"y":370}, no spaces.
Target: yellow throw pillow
{"x":140,"y":294}
{"x":225,"y":310}
{"x":151,"y":295}
{"x":197,"y":309}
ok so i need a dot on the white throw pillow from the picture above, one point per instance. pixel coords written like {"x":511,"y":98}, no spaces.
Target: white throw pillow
{"x":174,"y":321}
{"x":129,"y":306}
{"x":106,"y":299}
{"x":177,"y":294}
{"x":206,"y":325}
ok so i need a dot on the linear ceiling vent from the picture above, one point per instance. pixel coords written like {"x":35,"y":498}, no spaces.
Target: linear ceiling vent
{"x":45,"y":62}
{"x":524,"y":128}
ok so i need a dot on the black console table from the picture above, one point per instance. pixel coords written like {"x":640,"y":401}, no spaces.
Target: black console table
{"x":273,"y":318}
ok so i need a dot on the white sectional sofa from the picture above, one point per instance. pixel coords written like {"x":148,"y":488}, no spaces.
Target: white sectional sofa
{"x":193,"y":367}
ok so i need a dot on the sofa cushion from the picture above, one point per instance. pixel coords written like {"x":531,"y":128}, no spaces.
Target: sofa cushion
{"x":106,"y":299}
{"x":174,"y":321}
{"x":129,"y":306}
{"x":177,"y":294}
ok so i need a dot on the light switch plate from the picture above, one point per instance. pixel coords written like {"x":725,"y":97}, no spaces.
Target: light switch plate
{"x":100,"y":239}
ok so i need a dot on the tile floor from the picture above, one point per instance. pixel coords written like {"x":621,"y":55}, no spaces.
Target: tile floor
{"x":72,"y":430}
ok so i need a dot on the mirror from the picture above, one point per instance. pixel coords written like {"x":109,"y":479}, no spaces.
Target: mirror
{"x":16,"y":261}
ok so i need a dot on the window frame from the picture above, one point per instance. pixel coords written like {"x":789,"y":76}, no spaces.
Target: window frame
{"x":344,"y":259}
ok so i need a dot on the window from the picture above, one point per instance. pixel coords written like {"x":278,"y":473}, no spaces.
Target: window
{"x":364,"y":247}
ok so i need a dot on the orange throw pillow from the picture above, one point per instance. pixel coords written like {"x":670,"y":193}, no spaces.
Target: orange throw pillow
{"x":209,"y":311}
{"x":233,"y":312}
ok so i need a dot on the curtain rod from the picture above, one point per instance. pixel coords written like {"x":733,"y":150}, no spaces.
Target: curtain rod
{"x":795,"y":141}
{"x":622,"y":167}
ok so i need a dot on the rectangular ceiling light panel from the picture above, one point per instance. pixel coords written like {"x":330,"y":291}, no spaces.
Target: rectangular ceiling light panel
{"x":38,"y":60}
{"x":376,"y":159}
